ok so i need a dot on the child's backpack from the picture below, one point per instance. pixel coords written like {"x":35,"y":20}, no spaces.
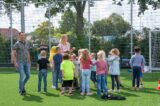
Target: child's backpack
{"x":112,"y":97}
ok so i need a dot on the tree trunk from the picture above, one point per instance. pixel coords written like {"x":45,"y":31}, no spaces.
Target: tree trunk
{"x":80,"y":7}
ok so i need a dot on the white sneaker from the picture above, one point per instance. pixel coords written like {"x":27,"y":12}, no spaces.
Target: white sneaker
{"x":89,"y":93}
{"x":112,"y":91}
{"x":53,"y":87}
{"x":141,"y":86}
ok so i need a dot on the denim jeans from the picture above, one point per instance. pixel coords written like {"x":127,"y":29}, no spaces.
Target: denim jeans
{"x":55,"y":77}
{"x":136,"y":76}
{"x":113,"y":79}
{"x":93,"y":76}
{"x":101,"y":84}
{"x":42,"y":74}
{"x":24,"y":72}
{"x":86,"y":73}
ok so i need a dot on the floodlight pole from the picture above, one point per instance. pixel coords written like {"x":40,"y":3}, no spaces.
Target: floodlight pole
{"x":131,"y":27}
{"x":89,"y":28}
{"x":22,"y":17}
{"x":49,"y":25}
{"x":11,"y":32}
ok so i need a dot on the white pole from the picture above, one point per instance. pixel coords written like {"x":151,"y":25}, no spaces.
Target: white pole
{"x":11,"y":34}
{"x":131,"y":27}
{"x":49,"y":27}
{"x":150,"y":52}
{"x":89,"y":28}
{"x":22,"y":17}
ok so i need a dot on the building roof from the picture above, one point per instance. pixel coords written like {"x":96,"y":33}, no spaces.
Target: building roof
{"x":6,"y":32}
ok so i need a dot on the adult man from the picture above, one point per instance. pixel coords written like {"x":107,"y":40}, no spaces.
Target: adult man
{"x":21,"y":60}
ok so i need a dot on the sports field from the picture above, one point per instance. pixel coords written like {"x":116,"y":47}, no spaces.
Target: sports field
{"x":9,"y":95}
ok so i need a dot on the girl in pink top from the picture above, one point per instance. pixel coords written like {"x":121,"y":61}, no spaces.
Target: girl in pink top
{"x":85,"y":63}
{"x":101,"y":71}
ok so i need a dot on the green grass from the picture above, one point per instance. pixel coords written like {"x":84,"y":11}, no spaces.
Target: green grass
{"x":9,"y":95}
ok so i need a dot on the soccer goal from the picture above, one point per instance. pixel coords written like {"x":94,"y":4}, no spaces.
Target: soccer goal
{"x":154,"y":50}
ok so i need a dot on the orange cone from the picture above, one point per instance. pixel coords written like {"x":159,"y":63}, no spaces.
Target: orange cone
{"x":158,"y":88}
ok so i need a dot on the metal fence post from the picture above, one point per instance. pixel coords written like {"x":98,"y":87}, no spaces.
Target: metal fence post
{"x":22,"y":17}
{"x":89,"y":28}
{"x":49,"y":25}
{"x":11,"y":33}
{"x":131,"y":27}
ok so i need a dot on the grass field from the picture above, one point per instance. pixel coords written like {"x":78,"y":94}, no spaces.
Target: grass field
{"x":9,"y":95}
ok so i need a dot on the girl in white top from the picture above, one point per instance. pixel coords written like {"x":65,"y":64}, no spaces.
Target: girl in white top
{"x":64,"y":44}
{"x":114,"y":67}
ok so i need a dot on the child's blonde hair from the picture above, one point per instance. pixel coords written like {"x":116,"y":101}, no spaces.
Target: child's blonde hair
{"x":101,"y":55}
{"x":115,"y":51}
{"x":43,"y":53}
{"x":63,"y":37}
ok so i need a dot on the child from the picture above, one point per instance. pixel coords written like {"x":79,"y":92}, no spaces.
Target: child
{"x":114,"y":67}
{"x":137,"y":63}
{"x":76,"y":72}
{"x":51,"y":54}
{"x":42,"y":65}
{"x":101,"y":71}
{"x":57,"y":59}
{"x":67,"y":68}
{"x":80,"y":51}
{"x":85,"y":63}
{"x":93,"y":68}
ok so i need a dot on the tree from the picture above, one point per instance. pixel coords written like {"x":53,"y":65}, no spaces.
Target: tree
{"x":67,"y":22}
{"x":42,"y":31}
{"x":61,"y":6}
{"x":113,"y":25}
{"x":143,"y":4}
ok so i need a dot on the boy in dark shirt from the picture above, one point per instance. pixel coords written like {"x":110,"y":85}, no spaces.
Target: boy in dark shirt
{"x":42,"y":65}
{"x":57,"y":59}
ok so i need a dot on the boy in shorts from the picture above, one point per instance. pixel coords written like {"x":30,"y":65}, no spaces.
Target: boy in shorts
{"x":67,"y":68}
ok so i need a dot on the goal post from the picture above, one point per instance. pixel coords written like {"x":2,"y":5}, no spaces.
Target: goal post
{"x":154,"y":50}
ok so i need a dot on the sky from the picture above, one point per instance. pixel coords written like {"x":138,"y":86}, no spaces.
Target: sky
{"x":102,"y":9}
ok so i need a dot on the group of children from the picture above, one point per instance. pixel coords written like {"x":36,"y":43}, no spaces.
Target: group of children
{"x":71,"y":69}
{"x":75,"y":72}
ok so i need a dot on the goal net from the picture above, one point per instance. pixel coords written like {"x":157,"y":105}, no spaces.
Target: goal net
{"x":154,"y":50}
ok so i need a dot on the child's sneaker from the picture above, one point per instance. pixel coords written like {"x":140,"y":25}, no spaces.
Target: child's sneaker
{"x":112,"y":91}
{"x":53,"y":87}
{"x":89,"y":93}
{"x":82,"y":94}
{"x":141,"y":86}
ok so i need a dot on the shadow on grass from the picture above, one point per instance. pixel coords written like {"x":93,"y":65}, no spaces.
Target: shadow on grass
{"x":76,"y":96}
{"x":143,"y":90}
{"x":31,"y":97}
{"x":51,"y":94}
{"x":147,"y":77}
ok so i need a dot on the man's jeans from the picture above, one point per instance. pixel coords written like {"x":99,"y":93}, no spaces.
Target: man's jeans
{"x":24,"y":72}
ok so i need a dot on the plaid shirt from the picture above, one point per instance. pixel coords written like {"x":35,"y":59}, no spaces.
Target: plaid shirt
{"x":22,"y":51}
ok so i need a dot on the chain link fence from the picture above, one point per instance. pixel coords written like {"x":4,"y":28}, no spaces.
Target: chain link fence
{"x":89,"y":24}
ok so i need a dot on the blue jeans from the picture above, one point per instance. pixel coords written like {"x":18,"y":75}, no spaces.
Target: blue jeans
{"x":93,"y":76}
{"x":136,"y":75}
{"x":55,"y":77}
{"x":42,"y":74}
{"x":101,"y":84}
{"x":86,"y":73}
{"x":24,"y":72}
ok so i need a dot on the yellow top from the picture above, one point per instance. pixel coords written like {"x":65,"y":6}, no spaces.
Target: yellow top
{"x":52,"y":53}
